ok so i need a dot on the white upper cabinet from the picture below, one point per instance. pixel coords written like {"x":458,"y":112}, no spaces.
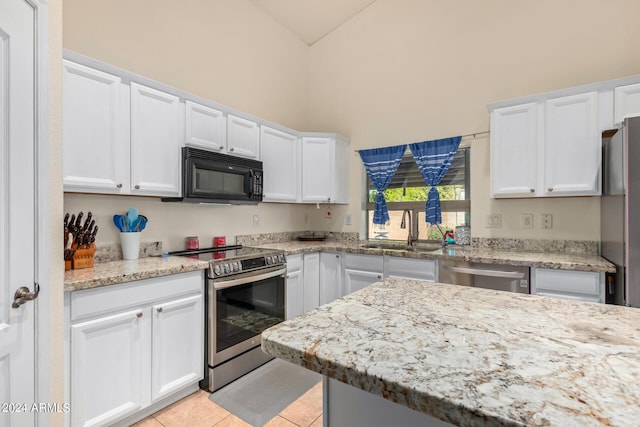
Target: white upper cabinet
{"x":514,"y":139}
{"x":204,"y":127}
{"x":325,"y":175}
{"x":279,"y":154}
{"x":96,"y":143}
{"x":550,"y":147}
{"x":572,"y":146}
{"x":627,"y":102}
{"x":155,"y":142}
{"x":243,"y":137}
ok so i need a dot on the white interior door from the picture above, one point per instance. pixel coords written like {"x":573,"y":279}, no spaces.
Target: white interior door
{"x":17,"y":206}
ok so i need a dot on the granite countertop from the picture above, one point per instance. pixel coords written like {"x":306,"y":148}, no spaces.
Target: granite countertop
{"x":563,"y":261}
{"x":473,"y":356}
{"x":114,"y":272}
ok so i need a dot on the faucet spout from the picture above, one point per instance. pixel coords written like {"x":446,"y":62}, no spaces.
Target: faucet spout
{"x":410,"y":237}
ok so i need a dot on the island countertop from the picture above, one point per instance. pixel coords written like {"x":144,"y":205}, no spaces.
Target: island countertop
{"x":475,"y":357}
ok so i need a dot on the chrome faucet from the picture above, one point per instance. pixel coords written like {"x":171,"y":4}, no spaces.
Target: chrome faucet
{"x":403,"y":224}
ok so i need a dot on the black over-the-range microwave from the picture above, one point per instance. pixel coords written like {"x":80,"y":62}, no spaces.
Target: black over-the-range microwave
{"x":209,"y":177}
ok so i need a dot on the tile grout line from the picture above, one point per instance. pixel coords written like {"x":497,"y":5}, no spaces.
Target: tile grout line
{"x":319,"y":416}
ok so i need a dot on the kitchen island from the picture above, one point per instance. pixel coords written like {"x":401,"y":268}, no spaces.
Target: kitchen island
{"x":467,"y":356}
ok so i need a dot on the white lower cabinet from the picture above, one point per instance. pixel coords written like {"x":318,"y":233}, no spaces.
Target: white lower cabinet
{"x":361,"y":271}
{"x":410,"y":268}
{"x":174,"y":330}
{"x":107,"y":360}
{"x":569,"y":284}
{"x":294,"y":293}
{"x":311,"y":274}
{"x":133,"y":344}
{"x":330,"y":277}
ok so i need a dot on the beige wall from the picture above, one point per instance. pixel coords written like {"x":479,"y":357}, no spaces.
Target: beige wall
{"x":411,"y":70}
{"x":230,"y":52}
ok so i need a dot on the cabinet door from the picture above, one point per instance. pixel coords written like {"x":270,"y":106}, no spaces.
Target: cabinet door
{"x":109,"y":357}
{"x":357,"y":279}
{"x":514,"y":142}
{"x":243,"y":137}
{"x":155,"y":142}
{"x":311,"y":274}
{"x":330,"y":277}
{"x":279,"y":154}
{"x":294,"y":293}
{"x":204,"y":127}
{"x":95,"y":145}
{"x":317,"y":173}
{"x":626,"y":102}
{"x":572,"y":146}
{"x":177,"y":342}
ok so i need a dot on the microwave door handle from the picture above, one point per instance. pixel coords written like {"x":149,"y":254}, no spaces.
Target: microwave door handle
{"x":250,"y":184}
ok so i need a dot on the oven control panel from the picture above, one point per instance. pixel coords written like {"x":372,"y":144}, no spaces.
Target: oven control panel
{"x":230,"y":267}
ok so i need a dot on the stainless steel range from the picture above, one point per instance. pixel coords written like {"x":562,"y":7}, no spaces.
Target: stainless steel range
{"x":245,"y":295}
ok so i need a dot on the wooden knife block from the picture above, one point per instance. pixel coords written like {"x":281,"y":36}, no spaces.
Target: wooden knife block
{"x":83,"y":258}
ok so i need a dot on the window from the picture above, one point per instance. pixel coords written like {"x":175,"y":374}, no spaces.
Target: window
{"x":408,"y":191}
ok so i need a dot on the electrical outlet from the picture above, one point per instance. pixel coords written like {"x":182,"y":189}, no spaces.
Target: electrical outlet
{"x":306,"y":218}
{"x":347,"y":220}
{"x":546,"y":221}
{"x":256,"y":220}
{"x":526,"y":220}
{"x":494,"y":221}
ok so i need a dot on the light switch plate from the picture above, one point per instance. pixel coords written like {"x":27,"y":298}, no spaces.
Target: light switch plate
{"x":526,"y":220}
{"x":546,"y":221}
{"x":494,"y":220}
{"x":347,"y":220}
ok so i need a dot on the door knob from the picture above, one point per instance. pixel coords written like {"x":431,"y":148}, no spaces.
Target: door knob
{"x":23,"y":295}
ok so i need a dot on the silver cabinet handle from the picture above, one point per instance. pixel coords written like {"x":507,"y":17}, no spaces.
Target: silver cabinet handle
{"x":532,"y":190}
{"x":222,"y":147}
{"x":230,"y":149}
{"x":159,"y":310}
{"x":139,"y":315}
{"x":488,"y":273}
{"x":119,"y":186}
{"x":550,"y":189}
{"x":23,"y":295}
{"x":379,"y":276}
{"x":137,"y":187}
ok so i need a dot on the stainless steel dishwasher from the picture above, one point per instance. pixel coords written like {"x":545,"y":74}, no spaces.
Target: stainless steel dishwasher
{"x":489,"y":276}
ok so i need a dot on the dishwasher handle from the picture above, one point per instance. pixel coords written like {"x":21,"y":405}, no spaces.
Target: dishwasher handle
{"x":488,"y":273}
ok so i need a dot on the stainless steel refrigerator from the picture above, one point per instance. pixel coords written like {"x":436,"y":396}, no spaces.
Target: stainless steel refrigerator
{"x":620,"y":212}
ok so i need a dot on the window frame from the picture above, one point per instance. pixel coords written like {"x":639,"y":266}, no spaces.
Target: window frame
{"x":419,"y":206}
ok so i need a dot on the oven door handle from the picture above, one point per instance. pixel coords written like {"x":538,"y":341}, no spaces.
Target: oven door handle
{"x":249,"y":279}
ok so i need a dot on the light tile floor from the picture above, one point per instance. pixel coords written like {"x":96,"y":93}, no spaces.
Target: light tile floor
{"x":196,"y":410}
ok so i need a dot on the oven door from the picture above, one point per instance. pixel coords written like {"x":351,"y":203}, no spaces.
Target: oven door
{"x":240,"y":308}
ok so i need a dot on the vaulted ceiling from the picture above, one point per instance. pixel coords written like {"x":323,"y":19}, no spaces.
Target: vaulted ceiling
{"x":312,"y":19}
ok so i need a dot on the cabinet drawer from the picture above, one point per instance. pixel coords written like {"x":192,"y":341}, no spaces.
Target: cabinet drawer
{"x":423,"y":269}
{"x":372,"y":263}
{"x":566,"y":282}
{"x":294,"y":262}
{"x":92,"y":302}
